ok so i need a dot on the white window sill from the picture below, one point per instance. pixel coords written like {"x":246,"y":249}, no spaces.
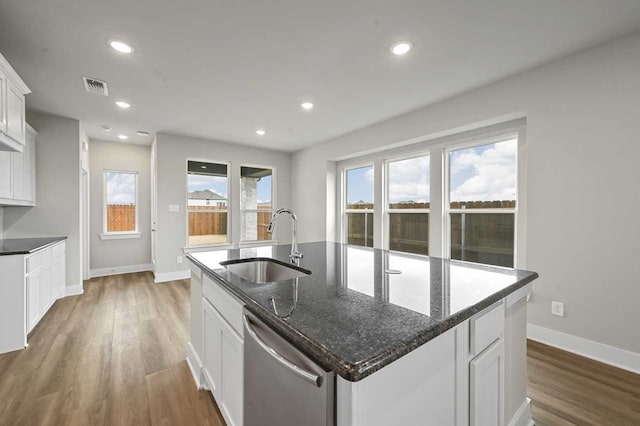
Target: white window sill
{"x":259,"y":243}
{"x":120,"y":235}
{"x":207,"y":247}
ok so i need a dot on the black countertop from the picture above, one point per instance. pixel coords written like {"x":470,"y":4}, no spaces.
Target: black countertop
{"x":26,"y":245}
{"x":352,"y":317}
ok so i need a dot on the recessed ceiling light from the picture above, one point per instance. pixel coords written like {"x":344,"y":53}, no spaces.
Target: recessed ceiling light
{"x":401,"y":48}
{"x":123,"y":137}
{"x":106,"y":128}
{"x":122,"y":104}
{"x":306,"y":105}
{"x":203,"y":167}
{"x":142,"y":133}
{"x":260,"y":132}
{"x":120,"y":46}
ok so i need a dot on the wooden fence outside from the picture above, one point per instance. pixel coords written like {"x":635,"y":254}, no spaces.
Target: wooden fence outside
{"x":121,"y":218}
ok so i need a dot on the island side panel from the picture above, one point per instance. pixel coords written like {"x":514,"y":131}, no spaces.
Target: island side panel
{"x":416,"y":388}
{"x":517,"y":410}
{"x":12,"y":303}
{"x":195,"y":346}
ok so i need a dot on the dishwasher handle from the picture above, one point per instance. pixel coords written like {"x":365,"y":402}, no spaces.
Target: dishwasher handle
{"x":300,"y":372}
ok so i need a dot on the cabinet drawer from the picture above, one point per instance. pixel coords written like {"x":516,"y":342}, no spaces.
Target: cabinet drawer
{"x":229,"y":306}
{"x":34,"y":261}
{"x":486,"y":327}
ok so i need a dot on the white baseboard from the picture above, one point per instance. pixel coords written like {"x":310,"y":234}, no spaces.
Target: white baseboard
{"x":116,"y":270}
{"x":195,"y":365}
{"x":522,"y":417}
{"x":73,"y":290}
{"x":171,"y":276}
{"x":611,"y":355}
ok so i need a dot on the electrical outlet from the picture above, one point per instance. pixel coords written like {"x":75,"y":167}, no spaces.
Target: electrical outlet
{"x":179,"y":259}
{"x":557,"y":308}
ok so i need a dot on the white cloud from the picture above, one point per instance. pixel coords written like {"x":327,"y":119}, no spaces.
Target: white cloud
{"x":409,"y":180}
{"x":121,"y":188}
{"x":484,"y":176}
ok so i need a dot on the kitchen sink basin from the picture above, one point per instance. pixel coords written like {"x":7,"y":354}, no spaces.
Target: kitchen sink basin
{"x":264,"y":270}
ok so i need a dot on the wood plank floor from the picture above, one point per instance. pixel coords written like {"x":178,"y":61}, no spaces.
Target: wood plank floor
{"x":567,"y":389}
{"x":114,"y":356}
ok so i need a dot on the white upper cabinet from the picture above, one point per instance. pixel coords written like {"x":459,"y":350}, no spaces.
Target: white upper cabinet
{"x":12,"y":108}
{"x":18,"y":173}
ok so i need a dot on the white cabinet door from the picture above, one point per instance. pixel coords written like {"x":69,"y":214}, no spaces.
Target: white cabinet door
{"x":3,"y":103}
{"x":17,"y":170}
{"x":45,"y":288}
{"x":486,"y":379}
{"x":6,"y":176}
{"x":232,"y":375}
{"x":15,"y":113}
{"x":212,"y":329}
{"x":60,"y":277}
{"x":33,"y":300}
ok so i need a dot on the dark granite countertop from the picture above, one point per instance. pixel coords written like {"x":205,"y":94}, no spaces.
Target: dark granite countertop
{"x":26,"y":245}
{"x":353,"y":318}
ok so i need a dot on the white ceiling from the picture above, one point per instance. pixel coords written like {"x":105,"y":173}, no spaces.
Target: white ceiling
{"x":222,"y":69}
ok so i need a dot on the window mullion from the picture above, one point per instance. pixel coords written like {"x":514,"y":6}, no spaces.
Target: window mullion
{"x":378,"y":200}
{"x":437,"y":228}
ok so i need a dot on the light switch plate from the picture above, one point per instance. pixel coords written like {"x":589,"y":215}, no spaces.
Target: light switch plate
{"x":174,"y":208}
{"x":557,"y":308}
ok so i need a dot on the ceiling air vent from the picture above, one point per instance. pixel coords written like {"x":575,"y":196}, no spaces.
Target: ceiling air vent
{"x":97,"y":87}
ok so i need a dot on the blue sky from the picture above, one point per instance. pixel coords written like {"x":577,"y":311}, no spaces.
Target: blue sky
{"x":218,"y":184}
{"x":121,"y":188}
{"x":360,"y":185}
{"x":482,"y":173}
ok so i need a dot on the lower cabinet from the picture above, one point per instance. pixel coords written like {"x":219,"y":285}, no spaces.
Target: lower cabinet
{"x":29,"y":285}
{"x":45,"y":281}
{"x":486,"y":386}
{"x":223,"y":363}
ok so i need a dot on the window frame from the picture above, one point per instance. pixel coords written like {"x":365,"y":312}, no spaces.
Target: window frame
{"x":116,"y":235}
{"x":439,"y":217}
{"x":228,"y":210}
{"x":273,"y":202}
{"x":344,"y":211}
{"x":386,"y":210}
{"x":446,"y":204}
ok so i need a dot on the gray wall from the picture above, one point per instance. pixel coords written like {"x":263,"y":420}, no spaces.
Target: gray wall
{"x":57,"y":210}
{"x":582,"y":154}
{"x":128,"y":252}
{"x":172,"y":154}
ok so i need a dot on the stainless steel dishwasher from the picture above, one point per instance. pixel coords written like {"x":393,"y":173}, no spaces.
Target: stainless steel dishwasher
{"x":282,"y":386}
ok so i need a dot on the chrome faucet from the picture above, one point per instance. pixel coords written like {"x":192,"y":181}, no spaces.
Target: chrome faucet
{"x":295,"y":255}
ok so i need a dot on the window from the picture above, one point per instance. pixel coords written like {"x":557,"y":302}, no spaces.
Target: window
{"x":207,"y":203}
{"x":482,"y":203}
{"x":458,"y":197}
{"x":256,"y":202}
{"x":358,"y":218}
{"x":120,"y":203}
{"x":408,"y":205}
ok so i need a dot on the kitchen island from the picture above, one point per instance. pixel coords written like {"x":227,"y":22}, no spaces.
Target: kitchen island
{"x":412,"y":339}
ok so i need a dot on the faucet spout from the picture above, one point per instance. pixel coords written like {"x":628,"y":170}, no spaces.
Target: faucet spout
{"x":295,"y":255}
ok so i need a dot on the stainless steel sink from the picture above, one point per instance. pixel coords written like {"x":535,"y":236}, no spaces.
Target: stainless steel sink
{"x":264,"y":270}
